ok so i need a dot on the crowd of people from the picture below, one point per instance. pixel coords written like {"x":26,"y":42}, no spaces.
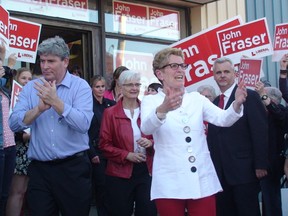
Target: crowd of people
{"x":67,"y":144}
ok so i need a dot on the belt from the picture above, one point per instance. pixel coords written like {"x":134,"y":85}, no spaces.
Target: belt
{"x":63,"y":160}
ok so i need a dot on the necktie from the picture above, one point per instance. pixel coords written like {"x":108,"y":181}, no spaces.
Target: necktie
{"x":221,"y":101}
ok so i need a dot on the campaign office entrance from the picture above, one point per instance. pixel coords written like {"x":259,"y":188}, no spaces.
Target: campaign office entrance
{"x":104,"y":34}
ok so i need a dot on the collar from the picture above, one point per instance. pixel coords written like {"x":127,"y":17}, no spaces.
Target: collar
{"x":228,"y":92}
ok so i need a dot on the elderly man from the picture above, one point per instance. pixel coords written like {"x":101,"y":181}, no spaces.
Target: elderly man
{"x":58,"y":109}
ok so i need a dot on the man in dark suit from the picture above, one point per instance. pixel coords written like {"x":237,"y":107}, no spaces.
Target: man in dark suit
{"x":239,"y":152}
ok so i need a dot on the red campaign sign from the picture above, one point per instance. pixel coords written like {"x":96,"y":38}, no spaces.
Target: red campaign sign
{"x":133,"y":13}
{"x":239,"y":39}
{"x":281,"y":37}
{"x":249,"y":71}
{"x":280,"y":44}
{"x":24,"y":39}
{"x":4,"y":25}
{"x":16,"y":89}
{"x":161,"y":18}
{"x":201,"y":50}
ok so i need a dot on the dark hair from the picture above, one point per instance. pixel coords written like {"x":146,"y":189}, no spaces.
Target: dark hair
{"x":20,"y":71}
{"x":155,"y":86}
{"x":77,"y":69}
{"x":116,"y":75}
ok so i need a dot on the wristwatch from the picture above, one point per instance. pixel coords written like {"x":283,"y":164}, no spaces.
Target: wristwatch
{"x":264,"y":97}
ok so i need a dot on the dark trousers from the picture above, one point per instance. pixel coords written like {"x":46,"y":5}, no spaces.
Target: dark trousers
{"x":238,"y":200}
{"x":271,"y":194}
{"x":7,"y":165}
{"x":63,"y":187}
{"x":122,"y":194}
{"x":98,"y":182}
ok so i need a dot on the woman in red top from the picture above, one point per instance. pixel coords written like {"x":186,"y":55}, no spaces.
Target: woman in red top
{"x":129,"y":153}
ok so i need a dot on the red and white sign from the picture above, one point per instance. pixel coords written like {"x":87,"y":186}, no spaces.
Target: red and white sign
{"x":16,"y":89}
{"x":280,"y":45}
{"x":24,"y":39}
{"x":250,"y":71}
{"x":251,"y":39}
{"x":200,"y":51}
{"x":137,"y":19}
{"x":4,"y":27}
{"x":69,"y":9}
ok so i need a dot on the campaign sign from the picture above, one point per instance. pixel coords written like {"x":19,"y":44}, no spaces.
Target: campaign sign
{"x":249,"y":71}
{"x":251,"y":39}
{"x":24,"y":39}
{"x":200,"y":51}
{"x":280,"y":44}
{"x":16,"y":89}
{"x":4,"y":27}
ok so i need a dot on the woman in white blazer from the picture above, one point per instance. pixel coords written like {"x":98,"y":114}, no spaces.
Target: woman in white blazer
{"x":183,"y":177}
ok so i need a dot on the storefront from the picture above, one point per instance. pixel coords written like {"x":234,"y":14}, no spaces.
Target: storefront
{"x":107,"y":33}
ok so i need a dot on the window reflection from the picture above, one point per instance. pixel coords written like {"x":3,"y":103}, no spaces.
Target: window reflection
{"x":137,"y":56}
{"x":142,"y":20}
{"x":80,"y":10}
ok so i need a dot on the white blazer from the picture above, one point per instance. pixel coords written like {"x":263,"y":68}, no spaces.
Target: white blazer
{"x":182,"y":166}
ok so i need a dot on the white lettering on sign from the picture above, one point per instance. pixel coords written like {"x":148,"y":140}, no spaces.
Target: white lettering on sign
{"x":238,"y":45}
{"x":122,"y":7}
{"x":3,"y":28}
{"x":282,"y":31}
{"x":200,"y":67}
{"x":245,"y":65}
{"x":280,"y":42}
{"x":13,"y":27}
{"x":136,"y":65}
{"x":249,"y":79}
{"x":19,"y":41}
{"x":65,"y":3}
{"x":231,"y":35}
{"x":191,"y":51}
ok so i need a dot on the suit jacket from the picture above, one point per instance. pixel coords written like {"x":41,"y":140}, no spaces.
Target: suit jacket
{"x":239,"y":150}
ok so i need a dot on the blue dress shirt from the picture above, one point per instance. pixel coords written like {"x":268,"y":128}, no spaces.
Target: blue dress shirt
{"x":54,"y":136}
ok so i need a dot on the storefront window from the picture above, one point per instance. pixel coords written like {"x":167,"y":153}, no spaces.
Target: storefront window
{"x":137,"y":56}
{"x":143,"y":20}
{"x":80,"y":10}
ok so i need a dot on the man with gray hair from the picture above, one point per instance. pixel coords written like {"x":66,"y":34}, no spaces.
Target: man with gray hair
{"x":239,"y":152}
{"x":58,"y":109}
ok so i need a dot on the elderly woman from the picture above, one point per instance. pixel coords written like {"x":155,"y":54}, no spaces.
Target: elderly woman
{"x":128,"y":151}
{"x":184,"y":177}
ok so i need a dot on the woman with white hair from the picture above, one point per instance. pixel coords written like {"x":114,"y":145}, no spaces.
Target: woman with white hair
{"x":128,"y":151}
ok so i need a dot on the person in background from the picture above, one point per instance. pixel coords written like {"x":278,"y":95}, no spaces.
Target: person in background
{"x":99,"y":162}
{"x":128,"y":151}
{"x":58,"y":109}
{"x":270,"y":184}
{"x":76,"y":70}
{"x":239,"y":152}
{"x":20,"y":178}
{"x":208,"y":91}
{"x":283,"y":83}
{"x":7,"y":141}
{"x":183,"y":174}
{"x":153,"y":88}
{"x":114,"y":92}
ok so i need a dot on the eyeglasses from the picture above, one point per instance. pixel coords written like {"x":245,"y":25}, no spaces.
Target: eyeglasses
{"x":175,"y":66}
{"x":130,"y":85}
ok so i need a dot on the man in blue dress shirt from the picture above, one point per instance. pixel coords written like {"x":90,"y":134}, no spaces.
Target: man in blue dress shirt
{"x":58,"y":109}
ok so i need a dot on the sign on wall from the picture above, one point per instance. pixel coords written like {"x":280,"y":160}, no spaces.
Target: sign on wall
{"x":148,"y":21}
